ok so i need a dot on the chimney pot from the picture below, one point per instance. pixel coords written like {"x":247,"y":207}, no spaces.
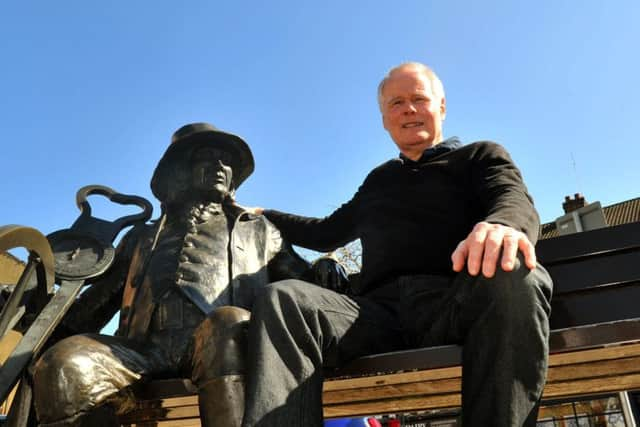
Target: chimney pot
{"x":575,"y":203}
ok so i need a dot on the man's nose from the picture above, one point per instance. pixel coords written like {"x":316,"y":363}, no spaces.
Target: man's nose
{"x":410,"y":108}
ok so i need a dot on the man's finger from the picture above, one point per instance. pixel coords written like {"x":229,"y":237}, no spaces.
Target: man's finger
{"x":492,"y":246}
{"x":509,"y":251}
{"x":459,"y":256}
{"x":475,"y":248}
{"x":528,"y":251}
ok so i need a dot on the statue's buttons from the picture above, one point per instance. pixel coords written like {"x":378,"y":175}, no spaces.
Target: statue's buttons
{"x":184,"y":258}
{"x":188,"y":244}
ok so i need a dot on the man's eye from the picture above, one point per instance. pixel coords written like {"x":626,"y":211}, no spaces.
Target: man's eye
{"x":396,"y":102}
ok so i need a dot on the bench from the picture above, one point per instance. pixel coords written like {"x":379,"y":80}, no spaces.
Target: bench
{"x":594,"y":344}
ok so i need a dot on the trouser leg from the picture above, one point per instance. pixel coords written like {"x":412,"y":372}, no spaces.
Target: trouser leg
{"x":83,"y":372}
{"x":295,"y":329}
{"x":503,"y":325}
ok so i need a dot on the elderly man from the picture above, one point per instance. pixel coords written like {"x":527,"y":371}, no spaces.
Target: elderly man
{"x":185,"y":285}
{"x":448,"y":233}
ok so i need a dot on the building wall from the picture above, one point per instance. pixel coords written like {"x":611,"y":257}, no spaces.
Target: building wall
{"x":10,"y":268}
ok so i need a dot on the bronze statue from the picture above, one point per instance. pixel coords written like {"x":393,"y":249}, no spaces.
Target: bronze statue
{"x":185,"y":283}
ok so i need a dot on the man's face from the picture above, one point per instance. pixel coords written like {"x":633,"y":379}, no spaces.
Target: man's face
{"x":211,"y":172}
{"x":411,"y":112}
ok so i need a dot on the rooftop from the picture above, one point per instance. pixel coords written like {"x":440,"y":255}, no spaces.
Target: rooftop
{"x":617,"y":214}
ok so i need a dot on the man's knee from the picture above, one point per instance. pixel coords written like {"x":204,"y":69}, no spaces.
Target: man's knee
{"x":520,"y":287}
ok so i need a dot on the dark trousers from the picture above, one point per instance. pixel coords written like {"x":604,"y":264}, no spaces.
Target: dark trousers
{"x":297,"y":328}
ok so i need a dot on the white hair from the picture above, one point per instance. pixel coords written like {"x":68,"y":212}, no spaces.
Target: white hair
{"x":436,"y":85}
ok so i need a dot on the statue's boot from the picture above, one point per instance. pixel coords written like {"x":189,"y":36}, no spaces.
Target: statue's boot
{"x":221,"y":401}
{"x":218,"y":366}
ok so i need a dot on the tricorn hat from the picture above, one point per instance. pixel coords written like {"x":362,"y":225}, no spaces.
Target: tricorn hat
{"x":196,"y":135}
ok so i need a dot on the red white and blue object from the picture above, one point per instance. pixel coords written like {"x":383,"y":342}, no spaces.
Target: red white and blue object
{"x":353,"y":422}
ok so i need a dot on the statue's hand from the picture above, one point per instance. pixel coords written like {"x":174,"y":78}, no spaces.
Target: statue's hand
{"x":329,"y":273}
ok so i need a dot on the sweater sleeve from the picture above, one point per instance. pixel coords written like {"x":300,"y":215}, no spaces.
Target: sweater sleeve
{"x":320,"y":234}
{"x":501,"y":190}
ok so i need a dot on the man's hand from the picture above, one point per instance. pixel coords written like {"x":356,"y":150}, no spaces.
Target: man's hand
{"x":252,"y":210}
{"x":329,"y":273}
{"x":481,"y":249}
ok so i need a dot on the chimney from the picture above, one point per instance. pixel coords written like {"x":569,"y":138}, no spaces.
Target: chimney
{"x":576,"y":203}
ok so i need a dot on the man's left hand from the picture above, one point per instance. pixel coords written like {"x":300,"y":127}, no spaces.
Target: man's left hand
{"x":481,"y":249}
{"x":329,"y":273}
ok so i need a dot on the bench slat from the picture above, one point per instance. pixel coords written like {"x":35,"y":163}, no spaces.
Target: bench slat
{"x":399,"y":378}
{"x":600,"y":306}
{"x":602,"y":368}
{"x":588,"y":243}
{"x":424,"y":358}
{"x":393,"y":405}
{"x":614,"y":269}
{"x":191,"y":422}
{"x":587,"y":356}
{"x":422,"y":388}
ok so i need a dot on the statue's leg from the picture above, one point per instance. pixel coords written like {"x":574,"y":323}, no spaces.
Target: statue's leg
{"x":84,"y":372}
{"x":219,"y":366}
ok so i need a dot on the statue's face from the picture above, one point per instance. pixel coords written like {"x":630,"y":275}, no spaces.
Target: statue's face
{"x":211,"y":173}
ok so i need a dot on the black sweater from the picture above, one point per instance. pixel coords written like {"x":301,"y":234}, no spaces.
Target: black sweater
{"x":410,"y":216}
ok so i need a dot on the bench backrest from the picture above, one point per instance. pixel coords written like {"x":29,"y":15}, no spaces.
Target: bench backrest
{"x":596,"y":275}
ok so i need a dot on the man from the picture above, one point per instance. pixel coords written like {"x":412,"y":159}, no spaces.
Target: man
{"x":421,"y":218}
{"x":186,"y":284}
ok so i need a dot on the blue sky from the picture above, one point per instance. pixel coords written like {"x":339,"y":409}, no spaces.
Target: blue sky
{"x":90,"y":92}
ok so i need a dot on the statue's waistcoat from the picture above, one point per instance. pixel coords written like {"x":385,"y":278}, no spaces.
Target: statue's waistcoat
{"x":192,"y":253}
{"x":212,"y":258}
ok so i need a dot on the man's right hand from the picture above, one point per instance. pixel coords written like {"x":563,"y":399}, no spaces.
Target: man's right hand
{"x":480,"y":251}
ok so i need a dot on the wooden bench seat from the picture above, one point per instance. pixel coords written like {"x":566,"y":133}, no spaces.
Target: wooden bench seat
{"x":594,"y":345}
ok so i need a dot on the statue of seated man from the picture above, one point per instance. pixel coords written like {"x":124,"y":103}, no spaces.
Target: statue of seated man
{"x":185,"y":285}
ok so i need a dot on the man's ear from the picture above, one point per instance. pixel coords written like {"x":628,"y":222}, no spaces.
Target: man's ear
{"x":443,"y":108}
